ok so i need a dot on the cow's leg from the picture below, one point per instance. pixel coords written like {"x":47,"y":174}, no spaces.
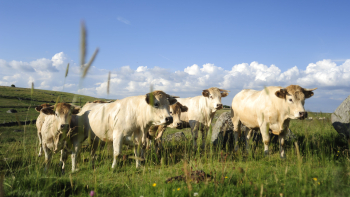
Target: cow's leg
{"x":75,"y":156}
{"x":194,"y":130}
{"x":40,"y":144}
{"x":204,"y":131}
{"x":47,"y":153}
{"x":117,"y":145}
{"x":63,"y":159}
{"x":265,"y":137}
{"x":139,"y":147}
{"x":248,"y":135}
{"x":281,"y":139}
{"x":236,"y":132}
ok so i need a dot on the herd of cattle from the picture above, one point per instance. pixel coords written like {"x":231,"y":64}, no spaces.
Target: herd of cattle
{"x":138,"y":120}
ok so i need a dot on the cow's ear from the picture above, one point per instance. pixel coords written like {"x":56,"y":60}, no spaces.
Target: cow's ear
{"x":184,"y":108}
{"x":172,"y":100}
{"x":48,"y":111}
{"x":149,"y":99}
{"x":38,"y":108}
{"x":281,"y":93}
{"x":224,"y":94}
{"x":205,"y":93}
{"x":308,"y":92}
{"x":76,"y":110}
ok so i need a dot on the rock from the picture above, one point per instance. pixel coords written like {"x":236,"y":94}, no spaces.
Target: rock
{"x":176,"y":137}
{"x":341,"y":118}
{"x":222,"y":132}
{"x":11,"y":111}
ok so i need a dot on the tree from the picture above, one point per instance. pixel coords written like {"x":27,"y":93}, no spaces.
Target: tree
{"x":13,"y":85}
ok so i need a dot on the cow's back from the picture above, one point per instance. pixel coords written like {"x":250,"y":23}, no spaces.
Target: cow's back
{"x":251,"y":105}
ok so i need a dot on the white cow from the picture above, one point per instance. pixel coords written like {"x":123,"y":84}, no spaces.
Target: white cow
{"x":201,"y":111}
{"x":118,"y":121}
{"x":269,"y":109}
{"x":61,"y":132}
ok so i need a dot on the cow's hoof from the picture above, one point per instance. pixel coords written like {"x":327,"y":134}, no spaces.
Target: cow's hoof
{"x":266,"y":152}
{"x":39,"y":155}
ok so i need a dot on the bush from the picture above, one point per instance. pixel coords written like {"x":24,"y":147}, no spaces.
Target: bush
{"x":13,"y":85}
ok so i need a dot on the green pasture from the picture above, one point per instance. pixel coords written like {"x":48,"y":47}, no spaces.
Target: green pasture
{"x":318,"y":167}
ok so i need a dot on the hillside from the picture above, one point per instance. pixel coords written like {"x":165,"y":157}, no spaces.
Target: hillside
{"x":21,"y":98}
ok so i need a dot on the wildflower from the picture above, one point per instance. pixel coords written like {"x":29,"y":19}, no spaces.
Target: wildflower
{"x":178,"y":189}
{"x":281,"y":194}
{"x":92,"y":193}
{"x":315,"y":179}
{"x":319,"y":183}
{"x":195,"y":194}
{"x":226,"y":177}
{"x":154,"y":184}
{"x":338,"y":151}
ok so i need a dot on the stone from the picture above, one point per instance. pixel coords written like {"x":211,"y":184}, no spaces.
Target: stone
{"x":341,"y":118}
{"x":11,"y":111}
{"x":175,"y":137}
{"x":222,"y":132}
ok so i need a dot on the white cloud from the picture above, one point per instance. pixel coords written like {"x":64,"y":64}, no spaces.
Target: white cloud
{"x":332,"y":80}
{"x":123,"y":20}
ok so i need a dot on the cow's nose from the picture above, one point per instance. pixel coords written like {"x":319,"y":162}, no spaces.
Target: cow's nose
{"x":303,"y":114}
{"x":218,"y":105}
{"x":169,"y":120}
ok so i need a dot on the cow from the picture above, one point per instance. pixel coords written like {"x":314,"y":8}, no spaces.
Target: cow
{"x":39,"y":122}
{"x":156,"y":131}
{"x":61,"y":130}
{"x":118,"y":121}
{"x":269,"y":109}
{"x":201,"y":111}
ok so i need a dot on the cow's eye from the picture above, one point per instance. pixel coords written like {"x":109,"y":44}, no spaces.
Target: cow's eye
{"x":211,"y":96}
{"x":56,"y":114}
{"x":290,"y":100}
{"x":171,"y":112}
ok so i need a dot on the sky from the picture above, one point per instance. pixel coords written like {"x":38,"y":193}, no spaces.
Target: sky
{"x":181,"y":47}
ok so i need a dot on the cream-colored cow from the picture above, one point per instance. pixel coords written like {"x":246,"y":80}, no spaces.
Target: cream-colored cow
{"x":39,"y":123}
{"x":118,"y":121}
{"x":269,"y":109}
{"x":60,"y":132}
{"x":201,"y":111}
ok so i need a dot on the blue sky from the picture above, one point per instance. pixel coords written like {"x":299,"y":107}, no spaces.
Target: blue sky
{"x":176,"y":35}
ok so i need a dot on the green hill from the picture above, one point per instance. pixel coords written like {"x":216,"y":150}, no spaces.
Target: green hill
{"x":21,"y":99}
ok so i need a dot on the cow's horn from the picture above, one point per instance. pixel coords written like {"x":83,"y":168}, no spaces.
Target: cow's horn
{"x":309,"y":89}
{"x":222,"y":90}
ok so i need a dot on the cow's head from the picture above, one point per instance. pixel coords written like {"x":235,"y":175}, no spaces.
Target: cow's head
{"x":160,"y":101}
{"x":175,"y":111}
{"x":42,"y":106}
{"x":63,"y":114}
{"x":214,"y":95}
{"x":294,"y":96}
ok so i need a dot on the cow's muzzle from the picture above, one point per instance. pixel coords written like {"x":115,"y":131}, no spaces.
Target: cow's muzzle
{"x":218,"y":106}
{"x":179,"y":125}
{"x":169,"y":120}
{"x":302,"y":115}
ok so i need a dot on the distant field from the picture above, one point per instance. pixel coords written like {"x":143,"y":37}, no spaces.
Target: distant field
{"x":18,"y":102}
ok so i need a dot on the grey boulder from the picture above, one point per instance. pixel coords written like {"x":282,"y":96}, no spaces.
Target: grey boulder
{"x":341,"y":118}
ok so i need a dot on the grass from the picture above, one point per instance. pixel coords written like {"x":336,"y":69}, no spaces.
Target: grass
{"x":322,"y":169}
